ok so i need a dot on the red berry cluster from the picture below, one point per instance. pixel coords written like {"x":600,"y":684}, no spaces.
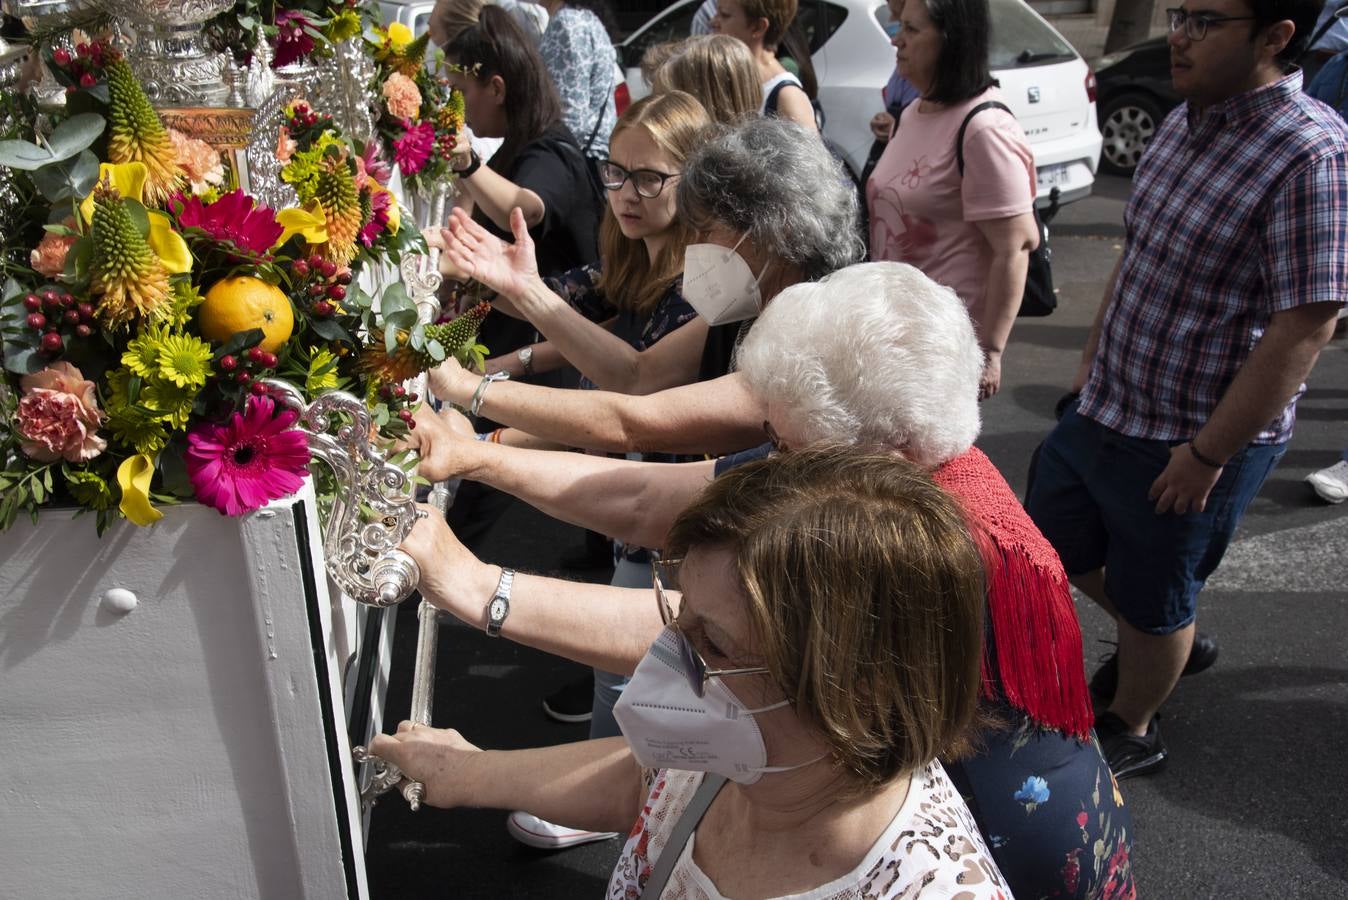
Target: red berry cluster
{"x":444,"y":144}
{"x":302,"y":119}
{"x":399,"y":402}
{"x":244,"y":368}
{"x":322,"y":284}
{"x":85,"y":66}
{"x":56,"y":316}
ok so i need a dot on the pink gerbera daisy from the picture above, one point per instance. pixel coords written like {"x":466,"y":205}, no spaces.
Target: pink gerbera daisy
{"x":255,"y":457}
{"x":245,"y":231}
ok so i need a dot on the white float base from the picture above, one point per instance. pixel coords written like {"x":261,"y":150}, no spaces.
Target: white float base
{"x":194,"y":746}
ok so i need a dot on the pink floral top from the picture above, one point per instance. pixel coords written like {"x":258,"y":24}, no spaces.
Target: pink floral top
{"x":931,"y":849}
{"x":921,"y":211}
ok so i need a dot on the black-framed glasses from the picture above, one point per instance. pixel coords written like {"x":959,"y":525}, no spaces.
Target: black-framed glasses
{"x":693,"y":664}
{"x":1195,"y":25}
{"x":648,"y":182}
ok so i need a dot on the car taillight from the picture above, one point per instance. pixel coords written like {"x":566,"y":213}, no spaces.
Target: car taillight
{"x":622,"y":98}
{"x":1090,"y":85}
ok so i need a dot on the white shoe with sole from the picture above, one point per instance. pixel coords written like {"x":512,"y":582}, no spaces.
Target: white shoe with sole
{"x":1331,"y":484}
{"x":533,"y":831}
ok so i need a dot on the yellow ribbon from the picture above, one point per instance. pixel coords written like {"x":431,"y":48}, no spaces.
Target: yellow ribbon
{"x":134,"y":476}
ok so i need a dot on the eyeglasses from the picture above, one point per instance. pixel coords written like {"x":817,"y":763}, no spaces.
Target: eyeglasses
{"x":693,"y":663}
{"x":648,"y":182}
{"x":1195,"y":25}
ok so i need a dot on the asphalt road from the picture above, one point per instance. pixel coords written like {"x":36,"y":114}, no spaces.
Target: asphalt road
{"x":1252,"y":804}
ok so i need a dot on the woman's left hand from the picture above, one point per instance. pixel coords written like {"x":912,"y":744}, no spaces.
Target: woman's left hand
{"x":990,"y":382}
{"x":507,"y":269}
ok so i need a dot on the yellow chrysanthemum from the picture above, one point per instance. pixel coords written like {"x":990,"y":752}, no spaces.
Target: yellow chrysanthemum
{"x":184,"y":360}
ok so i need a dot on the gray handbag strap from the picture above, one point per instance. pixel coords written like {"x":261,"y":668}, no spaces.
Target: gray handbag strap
{"x":678,"y":838}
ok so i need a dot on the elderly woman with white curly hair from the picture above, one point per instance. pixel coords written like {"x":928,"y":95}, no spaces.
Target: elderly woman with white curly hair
{"x":770,"y":209}
{"x":876,"y":356}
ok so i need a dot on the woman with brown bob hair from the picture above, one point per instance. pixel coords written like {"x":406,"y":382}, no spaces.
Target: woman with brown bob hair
{"x":781,"y":734}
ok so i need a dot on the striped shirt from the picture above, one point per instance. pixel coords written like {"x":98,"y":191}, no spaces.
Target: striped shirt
{"x":1233,"y":217}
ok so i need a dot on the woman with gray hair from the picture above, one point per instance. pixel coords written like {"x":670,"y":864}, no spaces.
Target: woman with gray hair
{"x":901,"y":374}
{"x":771,"y":210}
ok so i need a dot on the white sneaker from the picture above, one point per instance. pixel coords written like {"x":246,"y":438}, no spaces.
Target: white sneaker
{"x":1332,"y":483}
{"x":533,"y":831}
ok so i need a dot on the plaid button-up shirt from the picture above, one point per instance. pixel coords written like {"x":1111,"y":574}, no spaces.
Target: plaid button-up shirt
{"x":1232,"y":218}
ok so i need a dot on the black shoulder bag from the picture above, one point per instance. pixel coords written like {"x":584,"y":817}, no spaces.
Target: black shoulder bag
{"x":1039,"y":298}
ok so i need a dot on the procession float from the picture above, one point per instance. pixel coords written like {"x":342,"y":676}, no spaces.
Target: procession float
{"x":216,"y":311}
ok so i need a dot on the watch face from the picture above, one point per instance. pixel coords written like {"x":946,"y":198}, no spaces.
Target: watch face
{"x":498,"y":609}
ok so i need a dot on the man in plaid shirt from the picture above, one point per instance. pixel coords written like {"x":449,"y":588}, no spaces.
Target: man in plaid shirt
{"x":1235,"y":266}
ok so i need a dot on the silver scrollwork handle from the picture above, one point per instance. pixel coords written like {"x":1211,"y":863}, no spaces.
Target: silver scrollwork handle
{"x":375,"y":507}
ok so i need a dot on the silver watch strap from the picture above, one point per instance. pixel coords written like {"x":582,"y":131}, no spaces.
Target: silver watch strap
{"x":502,"y":592}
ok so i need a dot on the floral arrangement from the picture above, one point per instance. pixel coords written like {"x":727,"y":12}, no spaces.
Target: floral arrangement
{"x":296,"y":30}
{"x":143,"y":297}
{"x":420,"y":114}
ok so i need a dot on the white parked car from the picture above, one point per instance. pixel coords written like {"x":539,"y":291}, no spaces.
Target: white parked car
{"x":1047,"y":84}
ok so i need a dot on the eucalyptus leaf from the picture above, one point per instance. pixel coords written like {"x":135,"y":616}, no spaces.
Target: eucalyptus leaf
{"x":418,"y":339}
{"x":436,"y":350}
{"x":83,"y":174}
{"x":52,"y":184}
{"x":390,"y":341}
{"x":24,"y":156}
{"x":402,"y":319}
{"x":75,"y":135}
{"x":395,"y":299}
{"x":22,"y":360}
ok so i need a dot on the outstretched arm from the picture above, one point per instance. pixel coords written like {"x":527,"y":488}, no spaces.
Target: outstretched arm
{"x":593,"y":785}
{"x":593,"y":624}
{"x":604,"y":358}
{"x":718,"y":416}
{"x":635,"y":502}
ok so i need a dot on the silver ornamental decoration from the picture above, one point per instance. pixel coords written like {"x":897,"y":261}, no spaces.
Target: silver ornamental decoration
{"x":51,"y":22}
{"x":169,"y":55}
{"x":375,"y":507}
{"x":343,"y":89}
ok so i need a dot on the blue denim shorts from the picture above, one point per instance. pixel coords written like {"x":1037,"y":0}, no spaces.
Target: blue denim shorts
{"x":1089,"y":498}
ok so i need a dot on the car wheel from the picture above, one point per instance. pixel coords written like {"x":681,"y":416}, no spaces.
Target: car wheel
{"x":1127,"y":124}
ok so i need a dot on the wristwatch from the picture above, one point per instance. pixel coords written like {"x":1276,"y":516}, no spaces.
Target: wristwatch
{"x":526,"y":356}
{"x":474,"y":163}
{"x":498,"y":607}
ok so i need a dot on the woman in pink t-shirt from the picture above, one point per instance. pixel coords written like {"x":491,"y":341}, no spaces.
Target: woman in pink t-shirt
{"x":972,"y":231}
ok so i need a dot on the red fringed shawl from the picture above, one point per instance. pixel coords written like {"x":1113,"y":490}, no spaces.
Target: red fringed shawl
{"x":1036,"y":639}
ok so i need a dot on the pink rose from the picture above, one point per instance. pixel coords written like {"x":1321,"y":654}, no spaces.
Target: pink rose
{"x":49,"y":259}
{"x":59,"y":416}
{"x":402,"y":97}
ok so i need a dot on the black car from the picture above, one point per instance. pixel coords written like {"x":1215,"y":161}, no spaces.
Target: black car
{"x":1133,"y":96}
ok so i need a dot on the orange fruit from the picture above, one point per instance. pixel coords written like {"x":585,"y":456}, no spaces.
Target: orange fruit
{"x":243,"y":302}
